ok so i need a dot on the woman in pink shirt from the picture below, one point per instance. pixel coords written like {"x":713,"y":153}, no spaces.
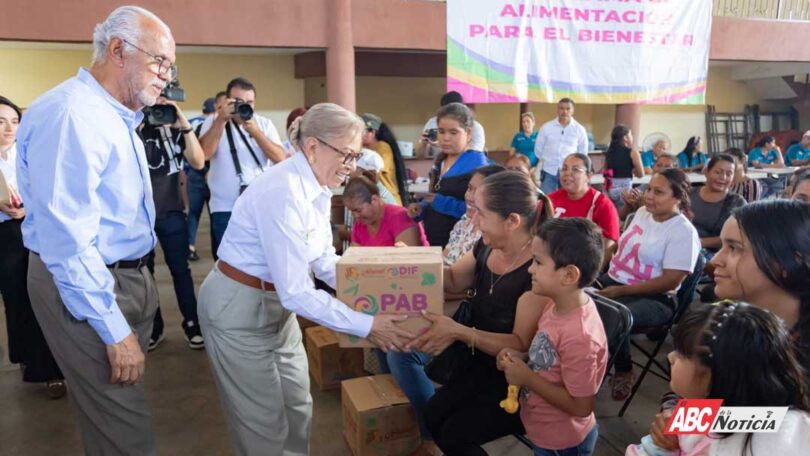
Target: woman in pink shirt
{"x":378,"y":224}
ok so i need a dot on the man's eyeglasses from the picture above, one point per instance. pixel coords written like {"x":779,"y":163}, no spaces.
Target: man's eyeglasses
{"x":164,"y":65}
{"x":348,"y":157}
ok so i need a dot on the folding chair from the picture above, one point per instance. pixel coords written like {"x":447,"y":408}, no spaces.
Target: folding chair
{"x":685,"y":296}
{"x":618,"y":321}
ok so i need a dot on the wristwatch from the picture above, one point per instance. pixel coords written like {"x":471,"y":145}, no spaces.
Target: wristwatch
{"x":186,"y":130}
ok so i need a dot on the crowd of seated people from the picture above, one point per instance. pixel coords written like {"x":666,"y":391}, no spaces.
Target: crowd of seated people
{"x":520,"y":260}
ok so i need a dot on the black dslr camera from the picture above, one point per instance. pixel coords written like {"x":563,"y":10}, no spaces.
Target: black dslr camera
{"x":242,"y":110}
{"x":165,"y":114}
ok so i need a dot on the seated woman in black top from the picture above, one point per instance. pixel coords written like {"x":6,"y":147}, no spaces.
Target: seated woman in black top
{"x":450,"y":174}
{"x":464,"y":414}
{"x":713,"y":203}
{"x":622,"y":162}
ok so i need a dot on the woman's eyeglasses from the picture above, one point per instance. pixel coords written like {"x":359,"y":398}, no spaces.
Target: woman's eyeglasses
{"x":348,"y":157}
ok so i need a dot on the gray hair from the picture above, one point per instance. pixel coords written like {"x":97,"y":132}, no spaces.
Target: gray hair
{"x":458,"y":112}
{"x":327,"y":121}
{"x":123,"y":23}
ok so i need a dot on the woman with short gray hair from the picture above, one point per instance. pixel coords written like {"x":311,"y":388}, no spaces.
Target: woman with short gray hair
{"x":279,"y":234}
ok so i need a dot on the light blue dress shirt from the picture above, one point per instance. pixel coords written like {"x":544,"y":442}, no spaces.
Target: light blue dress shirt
{"x":82,"y":173}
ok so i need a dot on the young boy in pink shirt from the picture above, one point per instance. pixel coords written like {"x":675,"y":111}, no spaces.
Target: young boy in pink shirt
{"x":568,"y":356}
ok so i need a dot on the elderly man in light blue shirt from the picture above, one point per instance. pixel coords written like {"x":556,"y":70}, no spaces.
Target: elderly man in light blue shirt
{"x":82,"y":172}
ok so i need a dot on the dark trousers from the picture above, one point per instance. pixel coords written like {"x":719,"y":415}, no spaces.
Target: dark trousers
{"x":219,"y":223}
{"x":648,"y":312}
{"x":438,"y":227}
{"x":198,"y":195}
{"x":466,"y":414}
{"x":172,"y":233}
{"x":26,"y":344}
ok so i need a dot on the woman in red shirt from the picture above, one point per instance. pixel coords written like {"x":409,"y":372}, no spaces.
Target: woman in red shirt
{"x":576,"y":198}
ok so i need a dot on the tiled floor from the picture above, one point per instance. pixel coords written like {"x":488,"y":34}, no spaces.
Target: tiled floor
{"x":187,"y":415}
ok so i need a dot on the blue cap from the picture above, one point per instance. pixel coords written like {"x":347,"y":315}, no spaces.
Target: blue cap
{"x":209,"y":106}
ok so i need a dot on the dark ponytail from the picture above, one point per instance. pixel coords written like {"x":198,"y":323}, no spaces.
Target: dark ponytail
{"x":617,"y":137}
{"x":543,"y":211}
{"x":513,"y":192}
{"x":385,"y":134}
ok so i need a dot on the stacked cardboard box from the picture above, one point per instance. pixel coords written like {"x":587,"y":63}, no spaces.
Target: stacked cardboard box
{"x":377,"y":417}
{"x":330,"y":364}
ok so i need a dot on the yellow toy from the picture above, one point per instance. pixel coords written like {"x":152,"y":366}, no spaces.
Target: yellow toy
{"x":511,"y":404}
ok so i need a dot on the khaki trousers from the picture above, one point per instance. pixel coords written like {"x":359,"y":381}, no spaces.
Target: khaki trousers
{"x":260,"y":367}
{"x":113,"y":419}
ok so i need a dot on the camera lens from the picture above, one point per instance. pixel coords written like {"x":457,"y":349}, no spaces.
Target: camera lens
{"x":244,"y":111}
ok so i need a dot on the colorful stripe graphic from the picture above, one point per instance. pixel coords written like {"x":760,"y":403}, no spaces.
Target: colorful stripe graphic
{"x":482,"y":80}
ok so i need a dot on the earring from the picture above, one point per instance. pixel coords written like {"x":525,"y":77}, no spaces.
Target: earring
{"x":311,"y":159}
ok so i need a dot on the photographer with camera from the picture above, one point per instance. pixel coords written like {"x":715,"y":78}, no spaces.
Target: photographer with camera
{"x":168,"y":139}
{"x":239,"y":144}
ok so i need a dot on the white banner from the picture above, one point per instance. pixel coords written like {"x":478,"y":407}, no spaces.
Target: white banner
{"x":594,"y":51}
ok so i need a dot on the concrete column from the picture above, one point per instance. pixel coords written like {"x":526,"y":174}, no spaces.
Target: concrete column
{"x":340,"y":55}
{"x":629,"y":115}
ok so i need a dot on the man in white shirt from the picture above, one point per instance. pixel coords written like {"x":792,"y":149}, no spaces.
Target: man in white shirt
{"x":556,"y":139}
{"x":427,"y":144}
{"x":239,"y":147}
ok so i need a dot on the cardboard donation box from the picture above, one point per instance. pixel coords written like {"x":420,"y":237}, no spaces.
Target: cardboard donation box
{"x":377,"y":417}
{"x":391,"y":280}
{"x":304,"y":323}
{"x":328,"y":363}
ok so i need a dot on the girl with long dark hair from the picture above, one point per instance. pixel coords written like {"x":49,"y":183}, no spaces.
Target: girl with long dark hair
{"x":765,"y":260}
{"x":450,"y":175}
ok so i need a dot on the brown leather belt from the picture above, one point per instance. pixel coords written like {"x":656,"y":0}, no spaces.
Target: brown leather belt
{"x":244,"y":278}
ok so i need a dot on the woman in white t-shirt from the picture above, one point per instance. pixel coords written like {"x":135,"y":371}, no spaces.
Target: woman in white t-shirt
{"x":656,"y":253}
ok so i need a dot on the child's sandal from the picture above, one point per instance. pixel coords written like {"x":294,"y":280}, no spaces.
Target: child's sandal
{"x":621,"y":385}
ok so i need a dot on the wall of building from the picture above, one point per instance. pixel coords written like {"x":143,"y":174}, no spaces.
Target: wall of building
{"x":681,"y":122}
{"x":202,"y":75}
{"x":405,"y":103}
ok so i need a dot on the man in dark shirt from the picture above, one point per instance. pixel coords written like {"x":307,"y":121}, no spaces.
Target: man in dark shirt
{"x":166,"y":146}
